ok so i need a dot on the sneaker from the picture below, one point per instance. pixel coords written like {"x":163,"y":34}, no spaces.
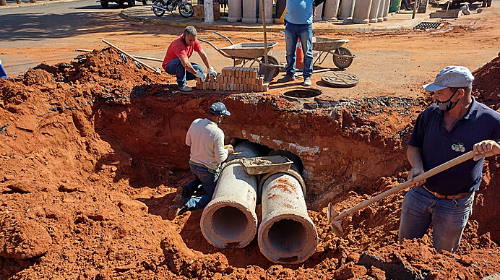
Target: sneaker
{"x":307,"y":82}
{"x":286,"y":78}
{"x":185,"y":89}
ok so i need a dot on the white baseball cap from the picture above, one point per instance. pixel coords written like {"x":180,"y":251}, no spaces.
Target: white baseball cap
{"x":451,"y":76}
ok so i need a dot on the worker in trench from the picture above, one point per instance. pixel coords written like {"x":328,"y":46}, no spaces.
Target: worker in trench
{"x":454,"y":125}
{"x":176,"y":61}
{"x":208,"y":152}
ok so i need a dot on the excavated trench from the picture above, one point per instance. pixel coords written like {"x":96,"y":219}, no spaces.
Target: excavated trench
{"x":96,"y":149}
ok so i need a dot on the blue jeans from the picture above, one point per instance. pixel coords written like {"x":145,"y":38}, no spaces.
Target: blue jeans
{"x":292,"y":33}
{"x":207,"y":179}
{"x":448,"y":217}
{"x":174,"y":67}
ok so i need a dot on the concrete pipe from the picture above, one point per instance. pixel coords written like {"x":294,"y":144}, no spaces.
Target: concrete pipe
{"x":362,"y":11}
{"x":319,"y":12}
{"x":286,"y":234}
{"x":249,"y":11}
{"x":374,"y":10}
{"x":268,"y":5}
{"x":387,"y":6}
{"x":234,"y":10}
{"x":229,"y":220}
{"x":345,"y":9}
{"x":330,"y":9}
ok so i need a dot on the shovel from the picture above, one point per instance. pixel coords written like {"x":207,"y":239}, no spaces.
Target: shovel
{"x":266,"y":70}
{"x":335,"y":219}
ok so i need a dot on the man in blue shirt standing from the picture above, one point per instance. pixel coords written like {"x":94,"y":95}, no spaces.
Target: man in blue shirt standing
{"x":298,"y":25}
{"x":454,"y":125}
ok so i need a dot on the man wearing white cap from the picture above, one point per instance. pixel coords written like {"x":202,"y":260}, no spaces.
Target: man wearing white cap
{"x":454,"y":125}
{"x":208,"y":151}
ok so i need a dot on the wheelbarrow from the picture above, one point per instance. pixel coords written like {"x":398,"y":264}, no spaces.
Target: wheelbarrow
{"x":247,"y":54}
{"x":342,"y":56}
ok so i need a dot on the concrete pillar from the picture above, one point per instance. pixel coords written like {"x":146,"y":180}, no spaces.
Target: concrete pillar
{"x":268,"y":5}
{"x":362,"y":11}
{"x":229,"y":220}
{"x":374,"y":10}
{"x":386,"y":9}
{"x":319,"y":12}
{"x":234,"y":9}
{"x":249,"y":11}
{"x":345,"y":9}
{"x":286,"y":234}
{"x":209,"y":11}
{"x":331,"y":9}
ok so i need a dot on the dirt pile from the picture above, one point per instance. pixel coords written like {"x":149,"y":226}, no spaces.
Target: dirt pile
{"x":91,"y":151}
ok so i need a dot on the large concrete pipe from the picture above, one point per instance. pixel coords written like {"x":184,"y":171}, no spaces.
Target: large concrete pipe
{"x":374,"y":10}
{"x":286,"y":234}
{"x":345,"y":9}
{"x":362,"y":11}
{"x":229,"y":220}
{"x":268,"y":5}
{"x":319,"y":12}
{"x":234,"y":10}
{"x":387,"y":5}
{"x":249,"y":11}
{"x":380,"y":14}
{"x":330,"y":9}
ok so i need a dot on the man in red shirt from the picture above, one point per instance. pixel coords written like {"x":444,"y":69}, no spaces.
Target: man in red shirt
{"x":176,"y":61}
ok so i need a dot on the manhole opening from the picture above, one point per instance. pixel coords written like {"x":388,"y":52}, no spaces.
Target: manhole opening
{"x":303,"y":93}
{"x":427,"y":25}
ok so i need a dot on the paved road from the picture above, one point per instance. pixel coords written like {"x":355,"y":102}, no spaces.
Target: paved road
{"x":55,"y":25}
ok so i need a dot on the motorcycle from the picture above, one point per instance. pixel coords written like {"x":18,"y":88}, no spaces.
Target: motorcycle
{"x":160,"y":6}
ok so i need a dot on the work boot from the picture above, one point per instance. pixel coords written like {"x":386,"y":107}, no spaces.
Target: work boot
{"x":185,"y":89}
{"x":286,"y":78}
{"x":307,"y":82}
{"x":178,"y":204}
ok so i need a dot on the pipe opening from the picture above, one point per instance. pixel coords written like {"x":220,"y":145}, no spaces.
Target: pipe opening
{"x":303,"y":93}
{"x":229,"y":222}
{"x":287,"y":236}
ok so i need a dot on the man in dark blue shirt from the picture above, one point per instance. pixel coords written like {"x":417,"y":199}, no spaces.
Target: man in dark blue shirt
{"x":454,"y":125}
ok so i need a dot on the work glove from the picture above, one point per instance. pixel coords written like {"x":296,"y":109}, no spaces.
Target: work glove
{"x":212,"y":72}
{"x":200,"y":75}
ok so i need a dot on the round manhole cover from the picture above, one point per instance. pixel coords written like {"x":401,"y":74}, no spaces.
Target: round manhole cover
{"x":303,"y":93}
{"x":341,"y":79}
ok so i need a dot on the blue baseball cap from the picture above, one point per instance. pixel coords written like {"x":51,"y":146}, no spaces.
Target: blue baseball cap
{"x":219,"y":109}
{"x":451,"y":76}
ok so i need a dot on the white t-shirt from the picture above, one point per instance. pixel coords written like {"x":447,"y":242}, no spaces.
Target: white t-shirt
{"x":207,"y":143}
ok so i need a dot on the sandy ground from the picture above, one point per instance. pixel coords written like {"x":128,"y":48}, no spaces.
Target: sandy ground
{"x":92,"y":150}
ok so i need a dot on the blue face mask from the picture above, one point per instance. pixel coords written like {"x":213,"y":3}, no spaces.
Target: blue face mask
{"x":447,"y":105}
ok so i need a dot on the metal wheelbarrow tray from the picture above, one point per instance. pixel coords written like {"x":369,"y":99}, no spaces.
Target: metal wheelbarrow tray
{"x":342,"y":56}
{"x":247,"y":50}
{"x":266,"y":164}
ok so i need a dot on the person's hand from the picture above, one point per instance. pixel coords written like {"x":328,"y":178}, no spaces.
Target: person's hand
{"x":200,"y":75}
{"x":229,"y":148}
{"x":212,"y":72}
{"x":486,"y":148}
{"x":414,"y":172}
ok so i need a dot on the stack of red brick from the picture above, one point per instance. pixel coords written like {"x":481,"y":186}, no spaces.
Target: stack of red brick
{"x":243,"y":79}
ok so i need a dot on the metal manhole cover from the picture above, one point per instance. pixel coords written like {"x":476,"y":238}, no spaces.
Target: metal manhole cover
{"x":341,"y":79}
{"x":427,"y":25}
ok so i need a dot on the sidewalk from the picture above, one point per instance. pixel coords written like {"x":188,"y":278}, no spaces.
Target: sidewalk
{"x":396,"y":21}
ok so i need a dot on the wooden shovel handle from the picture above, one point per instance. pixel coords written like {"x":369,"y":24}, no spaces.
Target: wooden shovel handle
{"x":406,"y":184}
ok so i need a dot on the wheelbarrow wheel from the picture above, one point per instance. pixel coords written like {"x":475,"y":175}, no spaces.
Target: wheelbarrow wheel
{"x":340,"y":60}
{"x":270,"y":60}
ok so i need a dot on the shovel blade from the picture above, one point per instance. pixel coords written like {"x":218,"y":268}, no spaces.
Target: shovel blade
{"x":335,"y":224}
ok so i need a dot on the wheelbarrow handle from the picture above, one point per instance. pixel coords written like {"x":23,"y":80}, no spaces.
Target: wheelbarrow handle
{"x":225,"y":37}
{"x":213,"y":46}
